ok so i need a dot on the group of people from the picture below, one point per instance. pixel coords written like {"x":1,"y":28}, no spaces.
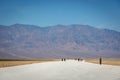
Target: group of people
{"x":78,"y":59}
{"x":63,"y":59}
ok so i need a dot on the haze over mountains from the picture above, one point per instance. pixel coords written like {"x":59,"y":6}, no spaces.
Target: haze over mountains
{"x":34,"y":42}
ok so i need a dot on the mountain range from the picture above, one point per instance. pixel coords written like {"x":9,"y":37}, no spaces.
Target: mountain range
{"x":21,"y":41}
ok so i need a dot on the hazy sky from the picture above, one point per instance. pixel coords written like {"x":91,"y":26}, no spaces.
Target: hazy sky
{"x":97,"y":13}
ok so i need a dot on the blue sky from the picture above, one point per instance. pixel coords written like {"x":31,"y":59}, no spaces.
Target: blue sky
{"x":97,"y":13}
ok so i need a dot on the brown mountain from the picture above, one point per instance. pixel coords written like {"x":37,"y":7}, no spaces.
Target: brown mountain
{"x":31,"y":42}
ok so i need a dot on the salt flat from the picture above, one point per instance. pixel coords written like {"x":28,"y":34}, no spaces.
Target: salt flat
{"x":68,"y":70}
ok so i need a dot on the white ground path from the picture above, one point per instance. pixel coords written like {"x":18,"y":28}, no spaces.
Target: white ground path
{"x":69,"y":70}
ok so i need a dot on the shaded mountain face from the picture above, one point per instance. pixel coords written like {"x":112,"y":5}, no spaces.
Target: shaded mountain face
{"x":71,"y":41}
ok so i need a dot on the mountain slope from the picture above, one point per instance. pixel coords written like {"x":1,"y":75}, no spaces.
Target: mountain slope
{"x":29,"y":41}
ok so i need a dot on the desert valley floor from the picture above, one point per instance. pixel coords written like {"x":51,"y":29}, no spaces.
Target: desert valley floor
{"x":60,"y":70}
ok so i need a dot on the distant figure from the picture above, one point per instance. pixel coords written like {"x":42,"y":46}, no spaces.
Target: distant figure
{"x":78,"y":59}
{"x":64,"y":59}
{"x":100,"y":60}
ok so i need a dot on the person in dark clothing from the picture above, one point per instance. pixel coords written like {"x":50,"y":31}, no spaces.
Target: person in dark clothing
{"x":100,"y":60}
{"x":78,"y":59}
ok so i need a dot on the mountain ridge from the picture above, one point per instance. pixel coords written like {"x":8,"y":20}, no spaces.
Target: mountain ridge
{"x":30,"y":41}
